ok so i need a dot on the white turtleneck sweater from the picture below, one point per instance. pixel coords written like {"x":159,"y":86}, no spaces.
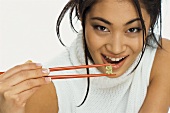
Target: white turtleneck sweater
{"x":124,"y":94}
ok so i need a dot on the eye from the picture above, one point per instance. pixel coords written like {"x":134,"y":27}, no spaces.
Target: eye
{"x":134,"y":30}
{"x":101,"y":28}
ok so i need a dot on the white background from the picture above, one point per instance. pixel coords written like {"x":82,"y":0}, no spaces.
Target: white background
{"x":27,"y":30}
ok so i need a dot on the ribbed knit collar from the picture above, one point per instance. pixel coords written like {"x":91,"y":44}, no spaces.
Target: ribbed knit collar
{"x":76,"y":52}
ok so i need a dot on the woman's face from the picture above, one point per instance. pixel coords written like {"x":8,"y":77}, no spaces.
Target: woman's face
{"x":113,"y":34}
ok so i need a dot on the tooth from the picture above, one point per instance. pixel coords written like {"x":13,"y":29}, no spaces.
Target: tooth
{"x":117,"y":59}
{"x":122,"y":58}
{"x":113,"y":59}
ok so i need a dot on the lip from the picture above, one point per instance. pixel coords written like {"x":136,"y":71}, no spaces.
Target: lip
{"x":115,"y":66}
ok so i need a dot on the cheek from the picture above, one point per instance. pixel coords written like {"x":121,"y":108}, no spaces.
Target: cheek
{"x":93,"y":41}
{"x":135,"y":44}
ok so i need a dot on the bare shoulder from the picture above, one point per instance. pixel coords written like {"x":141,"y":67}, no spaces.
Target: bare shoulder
{"x":43,"y":101}
{"x":162,"y":59}
{"x":158,"y":95}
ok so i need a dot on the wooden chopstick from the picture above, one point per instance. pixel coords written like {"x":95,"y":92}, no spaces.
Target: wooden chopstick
{"x":77,"y":67}
{"x":78,"y":76}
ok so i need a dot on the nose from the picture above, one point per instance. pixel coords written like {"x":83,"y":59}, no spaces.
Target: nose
{"x":116,"y":44}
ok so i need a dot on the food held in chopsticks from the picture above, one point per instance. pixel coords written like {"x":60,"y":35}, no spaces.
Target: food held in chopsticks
{"x":109,"y":69}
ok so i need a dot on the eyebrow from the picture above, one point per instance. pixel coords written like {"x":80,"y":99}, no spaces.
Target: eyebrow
{"x":101,"y":19}
{"x":133,"y":20}
{"x":109,"y":23}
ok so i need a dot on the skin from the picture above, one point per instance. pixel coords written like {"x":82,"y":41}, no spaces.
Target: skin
{"x":18,"y":84}
{"x":118,"y":37}
{"x":41,"y":95}
{"x":158,"y":96}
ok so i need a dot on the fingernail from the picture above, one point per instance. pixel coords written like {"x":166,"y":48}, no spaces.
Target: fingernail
{"x":45,"y":70}
{"x":38,"y":64}
{"x":28,"y":61}
{"x":48,"y":79}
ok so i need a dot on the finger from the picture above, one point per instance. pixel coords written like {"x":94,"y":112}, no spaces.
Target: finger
{"x":21,"y":98}
{"x":29,"y":84}
{"x":24,"y":96}
{"x":26,"y":75}
{"x":19,"y":68}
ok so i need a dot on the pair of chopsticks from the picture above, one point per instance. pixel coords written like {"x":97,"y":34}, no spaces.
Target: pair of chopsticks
{"x":76,"y":75}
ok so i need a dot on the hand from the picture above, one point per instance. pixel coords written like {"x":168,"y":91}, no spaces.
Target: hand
{"x":18,"y":84}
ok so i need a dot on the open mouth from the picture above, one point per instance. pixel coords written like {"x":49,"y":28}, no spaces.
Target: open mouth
{"x":112,"y":60}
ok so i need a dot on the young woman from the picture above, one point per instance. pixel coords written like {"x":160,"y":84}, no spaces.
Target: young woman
{"x":117,"y":32}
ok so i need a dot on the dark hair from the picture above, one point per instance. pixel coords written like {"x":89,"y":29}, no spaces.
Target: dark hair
{"x":81,"y":8}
